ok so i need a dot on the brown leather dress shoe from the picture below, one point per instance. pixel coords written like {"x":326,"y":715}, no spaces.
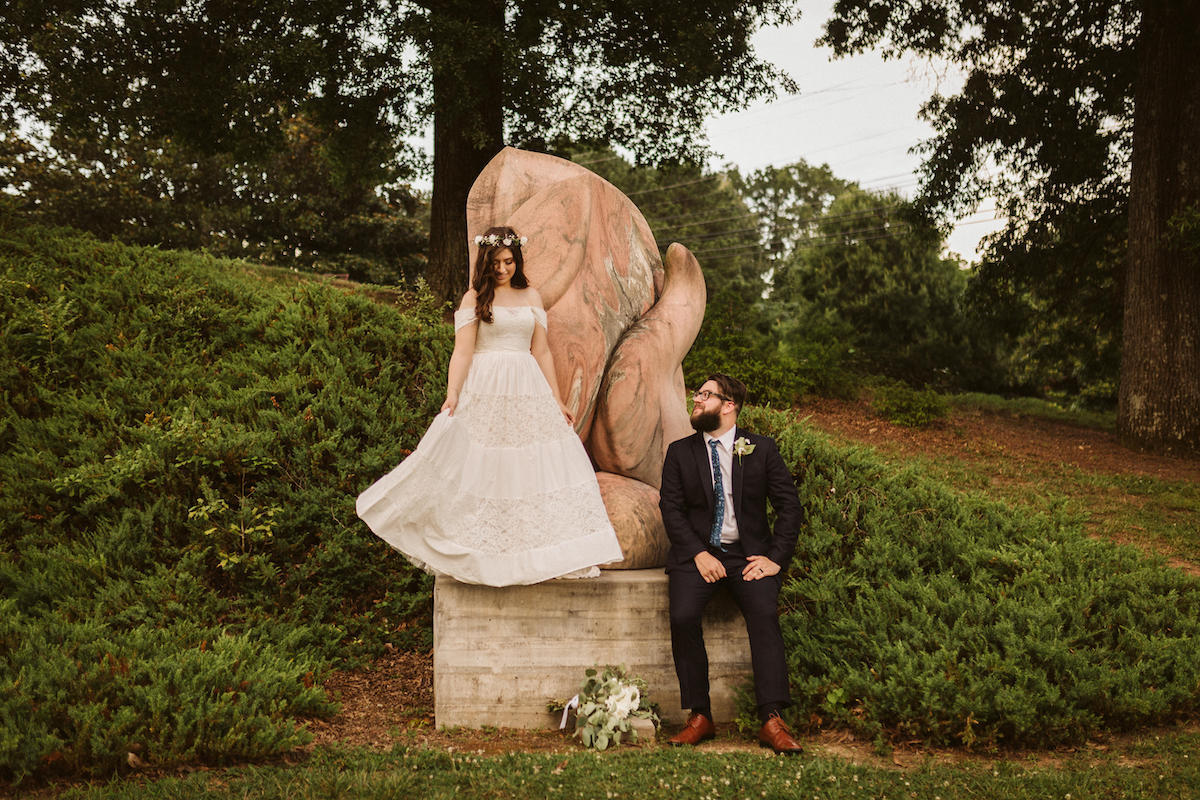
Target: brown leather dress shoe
{"x":774,"y":734}
{"x":697,"y":729}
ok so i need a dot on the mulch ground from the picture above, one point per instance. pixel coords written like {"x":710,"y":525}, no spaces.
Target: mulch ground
{"x":391,"y":703}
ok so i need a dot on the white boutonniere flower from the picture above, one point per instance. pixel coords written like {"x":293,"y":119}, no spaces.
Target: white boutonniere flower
{"x":742,"y":447}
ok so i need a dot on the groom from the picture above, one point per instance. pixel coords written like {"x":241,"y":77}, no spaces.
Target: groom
{"x":715,"y":488}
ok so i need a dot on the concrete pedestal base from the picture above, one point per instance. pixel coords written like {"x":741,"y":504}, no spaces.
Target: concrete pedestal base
{"x":500,"y":654}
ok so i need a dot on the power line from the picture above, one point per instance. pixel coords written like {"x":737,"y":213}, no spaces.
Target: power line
{"x":712,"y":177}
{"x":980,"y":221}
{"x":795,"y":223}
{"x":803,"y":96}
{"x":672,"y":231}
{"x":808,"y":242}
{"x":832,"y":237}
{"x":909,"y":173}
{"x":861,"y":184}
{"x":731,"y":251}
{"x":613,"y":157}
{"x":720,"y":175}
{"x":816,"y":241}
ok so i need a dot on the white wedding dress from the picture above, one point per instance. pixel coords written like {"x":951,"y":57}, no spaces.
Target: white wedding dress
{"x":502,"y":492}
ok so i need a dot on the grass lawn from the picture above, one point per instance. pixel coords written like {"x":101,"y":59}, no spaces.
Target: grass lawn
{"x":1162,"y":765}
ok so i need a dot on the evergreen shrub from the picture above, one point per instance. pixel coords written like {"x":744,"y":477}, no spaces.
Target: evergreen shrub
{"x":181,"y":445}
{"x":1035,"y":407}
{"x":914,"y":611}
{"x":901,"y":404}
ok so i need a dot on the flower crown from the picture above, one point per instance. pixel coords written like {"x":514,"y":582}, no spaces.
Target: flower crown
{"x":494,"y":239}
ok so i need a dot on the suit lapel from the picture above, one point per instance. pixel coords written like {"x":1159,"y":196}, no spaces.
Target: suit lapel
{"x":737,"y":478}
{"x":703,"y":467}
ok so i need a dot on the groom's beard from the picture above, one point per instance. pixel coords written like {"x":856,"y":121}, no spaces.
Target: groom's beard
{"x":706,"y":421}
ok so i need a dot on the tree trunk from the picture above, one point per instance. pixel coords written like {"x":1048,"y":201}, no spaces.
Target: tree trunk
{"x":468,"y":128}
{"x":1160,"y":359}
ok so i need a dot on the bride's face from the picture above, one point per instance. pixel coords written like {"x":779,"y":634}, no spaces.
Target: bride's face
{"x":503,"y":266}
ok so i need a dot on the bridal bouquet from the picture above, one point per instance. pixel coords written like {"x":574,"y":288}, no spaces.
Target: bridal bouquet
{"x":605,"y":706}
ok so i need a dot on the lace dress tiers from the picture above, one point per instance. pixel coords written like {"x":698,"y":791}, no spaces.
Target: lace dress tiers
{"x":502,"y":492}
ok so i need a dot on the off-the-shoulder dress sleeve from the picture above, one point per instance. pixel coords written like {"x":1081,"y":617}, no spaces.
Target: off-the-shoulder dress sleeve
{"x":539,"y":315}
{"x":463,"y":317}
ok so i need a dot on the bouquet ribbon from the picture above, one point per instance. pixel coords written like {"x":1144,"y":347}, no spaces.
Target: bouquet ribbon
{"x":572,"y":703}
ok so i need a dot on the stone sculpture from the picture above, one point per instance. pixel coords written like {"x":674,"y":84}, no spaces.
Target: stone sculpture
{"x":620,"y":320}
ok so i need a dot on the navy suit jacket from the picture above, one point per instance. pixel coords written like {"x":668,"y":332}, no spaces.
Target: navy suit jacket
{"x":687,"y":504}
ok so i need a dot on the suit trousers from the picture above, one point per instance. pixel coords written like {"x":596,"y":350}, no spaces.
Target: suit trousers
{"x":759,"y":603}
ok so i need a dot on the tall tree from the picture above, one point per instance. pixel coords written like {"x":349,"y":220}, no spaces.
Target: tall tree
{"x":1160,"y":361}
{"x":789,"y":202}
{"x":225,"y":75}
{"x":1045,"y":122}
{"x":872,"y":271}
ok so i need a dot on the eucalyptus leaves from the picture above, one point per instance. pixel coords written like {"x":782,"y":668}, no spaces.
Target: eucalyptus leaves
{"x":606,"y":705}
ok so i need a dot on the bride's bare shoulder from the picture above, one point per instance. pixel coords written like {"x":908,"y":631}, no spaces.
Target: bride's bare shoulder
{"x":468,"y":299}
{"x":533,"y":297}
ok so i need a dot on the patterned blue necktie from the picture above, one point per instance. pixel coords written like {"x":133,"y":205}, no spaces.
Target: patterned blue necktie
{"x":714,"y":538}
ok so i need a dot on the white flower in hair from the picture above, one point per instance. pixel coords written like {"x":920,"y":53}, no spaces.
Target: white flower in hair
{"x":495,"y":239}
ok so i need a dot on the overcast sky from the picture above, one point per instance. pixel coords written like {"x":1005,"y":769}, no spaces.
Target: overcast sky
{"x":856,"y":114}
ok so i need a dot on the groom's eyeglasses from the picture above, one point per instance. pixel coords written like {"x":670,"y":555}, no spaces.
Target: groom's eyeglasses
{"x":703,"y":394}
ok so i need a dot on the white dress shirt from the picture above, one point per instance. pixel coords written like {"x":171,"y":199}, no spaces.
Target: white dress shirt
{"x":729,"y":530}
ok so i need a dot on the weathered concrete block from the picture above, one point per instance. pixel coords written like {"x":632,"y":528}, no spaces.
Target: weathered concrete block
{"x":500,"y":654}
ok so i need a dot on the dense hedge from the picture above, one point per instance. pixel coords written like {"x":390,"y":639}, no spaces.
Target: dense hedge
{"x":915,"y":611}
{"x":181,"y":442}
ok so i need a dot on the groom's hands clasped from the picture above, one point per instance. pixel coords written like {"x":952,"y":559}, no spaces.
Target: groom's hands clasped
{"x":712,"y":570}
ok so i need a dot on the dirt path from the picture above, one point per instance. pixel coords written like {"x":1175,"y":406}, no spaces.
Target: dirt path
{"x":969,"y":434}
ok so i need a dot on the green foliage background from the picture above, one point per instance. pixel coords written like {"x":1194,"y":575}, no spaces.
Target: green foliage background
{"x":182,"y":441}
{"x":324,"y":200}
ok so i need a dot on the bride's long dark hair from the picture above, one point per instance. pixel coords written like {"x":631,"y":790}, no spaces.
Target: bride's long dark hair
{"x":483,"y":279}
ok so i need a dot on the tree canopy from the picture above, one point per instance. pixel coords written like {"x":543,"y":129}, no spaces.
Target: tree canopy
{"x":225,"y":77}
{"x":1043,"y":123}
{"x":1044,"y":116}
{"x":1046,"y":122}
{"x":872,"y":271}
{"x":302,"y":206}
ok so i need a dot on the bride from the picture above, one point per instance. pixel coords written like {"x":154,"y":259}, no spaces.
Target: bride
{"x":500,"y":490}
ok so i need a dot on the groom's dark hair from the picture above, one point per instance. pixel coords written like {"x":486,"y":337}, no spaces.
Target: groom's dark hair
{"x":732,"y":388}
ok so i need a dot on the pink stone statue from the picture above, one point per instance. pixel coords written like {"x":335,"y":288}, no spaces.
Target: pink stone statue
{"x":620,"y":322}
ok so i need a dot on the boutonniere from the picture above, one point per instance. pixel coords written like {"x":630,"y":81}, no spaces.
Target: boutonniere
{"x":742,"y":447}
